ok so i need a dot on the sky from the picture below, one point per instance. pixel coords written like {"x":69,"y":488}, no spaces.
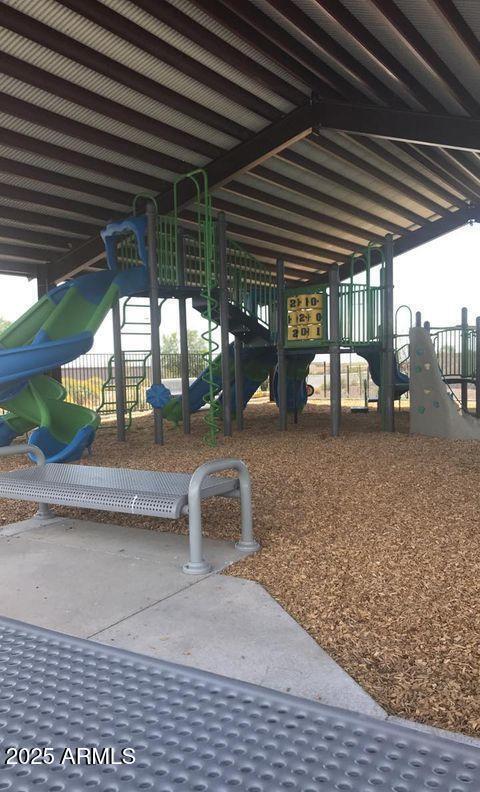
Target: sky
{"x":437,"y":279}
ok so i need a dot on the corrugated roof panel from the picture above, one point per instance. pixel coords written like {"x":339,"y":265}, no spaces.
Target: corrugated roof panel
{"x":422,"y":171}
{"x":384,"y":163}
{"x":44,"y":188}
{"x":288,"y":246}
{"x":306,"y":202}
{"x":63,"y":237}
{"x":291,"y":240}
{"x":90,"y":80}
{"x":362,"y":54}
{"x":164,"y":33}
{"x":78,"y":27}
{"x":14,"y":240}
{"x":83,"y":115}
{"x":71,"y":171}
{"x":212,"y":25}
{"x":361,"y":178}
{"x":345,"y":238}
{"x":307,"y":42}
{"x":471,"y":13}
{"x":336,"y":191}
{"x":371,"y":17}
{"x":431,"y":24}
{"x":84,"y":147}
{"x":45,"y":210}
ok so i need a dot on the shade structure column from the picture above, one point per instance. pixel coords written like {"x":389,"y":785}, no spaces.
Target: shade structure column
{"x":464,"y":358}
{"x":119,"y":365}
{"x":154,"y":315}
{"x":388,"y":341}
{"x":182,"y":321}
{"x":224,"y":324}
{"x":237,"y":352}
{"x":335,"y":370}
{"x":281,"y":358}
{"x":477,"y":367}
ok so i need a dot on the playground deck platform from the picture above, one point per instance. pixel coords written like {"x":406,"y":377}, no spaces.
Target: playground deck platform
{"x":360,"y":545}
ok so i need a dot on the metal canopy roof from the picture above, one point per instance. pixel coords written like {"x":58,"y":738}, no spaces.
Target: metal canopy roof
{"x":322,"y":124}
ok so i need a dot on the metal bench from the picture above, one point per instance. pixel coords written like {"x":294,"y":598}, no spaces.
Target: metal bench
{"x":164,"y":495}
{"x":192,"y":730}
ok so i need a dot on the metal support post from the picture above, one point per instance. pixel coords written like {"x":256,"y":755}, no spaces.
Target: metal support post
{"x":281,"y":359}
{"x":464,"y":363}
{"x":119,"y":364}
{"x":154,"y":315}
{"x":477,"y":367}
{"x":237,"y":351}
{"x":224,"y":339}
{"x":182,"y":321}
{"x":388,"y":389}
{"x":197,"y":565}
{"x":335,"y":371}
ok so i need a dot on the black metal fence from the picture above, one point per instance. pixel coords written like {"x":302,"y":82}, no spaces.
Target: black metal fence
{"x":90,"y":379}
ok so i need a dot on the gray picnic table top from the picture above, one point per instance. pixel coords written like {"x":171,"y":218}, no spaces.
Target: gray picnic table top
{"x":192,"y":730}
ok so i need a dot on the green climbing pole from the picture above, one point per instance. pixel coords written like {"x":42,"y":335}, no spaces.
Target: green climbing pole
{"x":208,"y":283}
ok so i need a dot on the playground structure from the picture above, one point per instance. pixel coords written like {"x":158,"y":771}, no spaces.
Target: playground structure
{"x":277,"y":323}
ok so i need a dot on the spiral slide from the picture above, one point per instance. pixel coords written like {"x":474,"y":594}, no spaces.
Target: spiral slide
{"x":59,"y":328}
{"x":256,"y":364}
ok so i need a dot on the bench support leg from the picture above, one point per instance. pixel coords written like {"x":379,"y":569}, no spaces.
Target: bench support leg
{"x":197,"y":564}
{"x":44,"y":512}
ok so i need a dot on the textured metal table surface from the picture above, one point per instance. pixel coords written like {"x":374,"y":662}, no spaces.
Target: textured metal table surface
{"x":195,"y":731}
{"x":111,"y":489}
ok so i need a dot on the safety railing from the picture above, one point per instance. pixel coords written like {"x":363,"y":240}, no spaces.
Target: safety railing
{"x":360,"y":313}
{"x":455,"y":348}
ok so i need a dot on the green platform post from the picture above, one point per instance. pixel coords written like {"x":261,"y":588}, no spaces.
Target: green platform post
{"x":335,"y":369}
{"x":119,"y":371}
{"x":154,"y":315}
{"x":388,"y":341}
{"x":281,"y":359}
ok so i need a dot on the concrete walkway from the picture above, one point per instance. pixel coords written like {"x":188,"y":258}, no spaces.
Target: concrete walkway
{"x":124,"y":586}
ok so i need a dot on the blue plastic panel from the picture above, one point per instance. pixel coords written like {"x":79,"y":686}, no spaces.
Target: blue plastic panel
{"x":197,"y":732}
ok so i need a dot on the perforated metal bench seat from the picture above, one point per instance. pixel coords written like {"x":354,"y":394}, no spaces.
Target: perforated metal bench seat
{"x":144,"y":492}
{"x":195,"y":731}
{"x":109,"y":489}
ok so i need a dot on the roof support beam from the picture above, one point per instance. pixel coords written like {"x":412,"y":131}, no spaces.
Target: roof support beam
{"x":429,"y":129}
{"x":427,"y":233}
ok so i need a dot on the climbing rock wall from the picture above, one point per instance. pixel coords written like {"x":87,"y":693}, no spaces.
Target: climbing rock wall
{"x":433,"y":411}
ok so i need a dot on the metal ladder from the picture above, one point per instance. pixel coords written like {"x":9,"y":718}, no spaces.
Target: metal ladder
{"x":135,"y":361}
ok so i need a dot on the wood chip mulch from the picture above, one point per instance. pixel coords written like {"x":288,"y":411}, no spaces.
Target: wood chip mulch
{"x":370,"y":541}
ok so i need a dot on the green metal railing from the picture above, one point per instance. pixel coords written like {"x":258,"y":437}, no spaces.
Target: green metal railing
{"x":455,"y":348}
{"x":360,"y":313}
{"x":251,"y":285}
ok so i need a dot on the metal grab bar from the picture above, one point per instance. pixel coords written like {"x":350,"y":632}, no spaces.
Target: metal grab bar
{"x":24,"y":448}
{"x":197,"y":564}
{"x":44,"y":510}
